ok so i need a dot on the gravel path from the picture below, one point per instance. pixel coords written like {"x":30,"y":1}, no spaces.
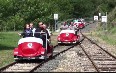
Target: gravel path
{"x":74,"y":60}
{"x":50,"y":65}
{"x":21,"y":67}
{"x":103,"y":44}
{"x":89,"y":29}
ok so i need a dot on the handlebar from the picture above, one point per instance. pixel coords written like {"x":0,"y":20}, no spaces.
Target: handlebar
{"x":35,"y":32}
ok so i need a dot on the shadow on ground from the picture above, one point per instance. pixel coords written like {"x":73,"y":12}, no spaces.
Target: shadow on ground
{"x":4,"y":47}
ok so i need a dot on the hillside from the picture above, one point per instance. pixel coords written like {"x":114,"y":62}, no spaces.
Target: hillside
{"x":110,"y":35}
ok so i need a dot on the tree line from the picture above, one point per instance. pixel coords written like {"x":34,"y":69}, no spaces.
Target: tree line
{"x":15,"y":13}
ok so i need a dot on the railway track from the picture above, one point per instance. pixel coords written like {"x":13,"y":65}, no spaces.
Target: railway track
{"x":102,"y":60}
{"x":30,"y":66}
{"x":57,"y":52}
{"x":85,"y":64}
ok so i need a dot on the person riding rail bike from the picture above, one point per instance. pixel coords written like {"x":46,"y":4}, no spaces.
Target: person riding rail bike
{"x":40,"y":33}
{"x":32,"y":28}
{"x":27,"y":32}
{"x":64,"y":26}
{"x":72,"y":27}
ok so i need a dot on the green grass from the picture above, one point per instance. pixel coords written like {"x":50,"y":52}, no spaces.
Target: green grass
{"x":8,"y":41}
{"x":54,"y":38}
{"x":109,"y":37}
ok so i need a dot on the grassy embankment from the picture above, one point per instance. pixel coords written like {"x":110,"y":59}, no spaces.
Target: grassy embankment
{"x":8,"y":41}
{"x":111,"y":36}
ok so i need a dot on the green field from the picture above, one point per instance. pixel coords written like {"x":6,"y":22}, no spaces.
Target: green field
{"x":8,"y":41}
{"x":109,"y":36}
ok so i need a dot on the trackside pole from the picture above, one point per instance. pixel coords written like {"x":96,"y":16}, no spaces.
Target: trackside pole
{"x":46,"y":42}
{"x":106,"y":21}
{"x":55,"y":25}
{"x":55,"y":18}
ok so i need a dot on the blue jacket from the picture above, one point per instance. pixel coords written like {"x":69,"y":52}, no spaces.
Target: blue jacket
{"x":27,"y":33}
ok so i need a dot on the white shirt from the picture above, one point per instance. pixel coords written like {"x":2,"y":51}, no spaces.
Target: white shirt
{"x":33,"y":31}
{"x":49,"y":32}
{"x":64,"y":27}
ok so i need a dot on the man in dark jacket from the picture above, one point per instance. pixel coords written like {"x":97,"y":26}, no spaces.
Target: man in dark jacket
{"x":47,"y":32}
{"x":38,"y":29}
{"x":39,"y":33}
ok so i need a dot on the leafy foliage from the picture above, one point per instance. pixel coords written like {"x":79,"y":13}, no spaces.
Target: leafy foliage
{"x":15,"y":13}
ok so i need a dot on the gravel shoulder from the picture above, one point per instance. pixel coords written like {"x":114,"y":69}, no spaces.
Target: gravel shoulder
{"x":73,"y":60}
{"x":103,"y":44}
{"x":90,"y":32}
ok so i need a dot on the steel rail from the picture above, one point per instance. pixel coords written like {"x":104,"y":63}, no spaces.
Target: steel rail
{"x":90,"y":59}
{"x":103,"y":50}
{"x":51,"y":58}
{"x":99,"y":47}
{"x":7,"y":66}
